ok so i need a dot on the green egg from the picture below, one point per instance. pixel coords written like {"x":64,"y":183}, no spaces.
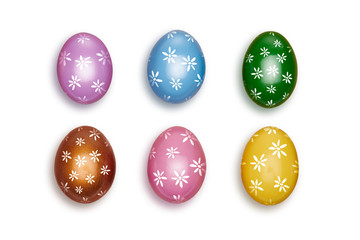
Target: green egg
{"x":269,"y":70}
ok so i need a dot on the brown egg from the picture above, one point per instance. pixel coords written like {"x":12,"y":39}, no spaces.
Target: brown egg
{"x":85,"y":165}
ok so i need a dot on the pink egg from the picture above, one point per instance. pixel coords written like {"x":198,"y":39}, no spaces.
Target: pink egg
{"x":176,"y":165}
{"x":84,"y":68}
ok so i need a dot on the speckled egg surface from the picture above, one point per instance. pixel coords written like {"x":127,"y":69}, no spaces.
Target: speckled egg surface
{"x":269,"y":70}
{"x":85,"y":165}
{"x":84,"y":68}
{"x":269,"y":167}
{"x":176,"y":67}
{"x":176,"y":165}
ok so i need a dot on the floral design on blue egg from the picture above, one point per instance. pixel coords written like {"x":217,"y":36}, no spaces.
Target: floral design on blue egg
{"x":176,"y":67}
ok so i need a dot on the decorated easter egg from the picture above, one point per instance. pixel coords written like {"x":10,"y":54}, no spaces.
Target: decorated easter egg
{"x":176,"y":165}
{"x":269,"y":167}
{"x":176,"y":67}
{"x":269,"y":70}
{"x":85,"y":165}
{"x":84,"y":68}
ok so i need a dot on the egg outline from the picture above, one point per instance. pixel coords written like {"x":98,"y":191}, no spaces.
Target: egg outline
{"x":85,"y":43}
{"x":177,"y":197}
{"x":155,"y":67}
{"x":248,"y":172}
{"x":249,"y":76}
{"x":107,"y":170}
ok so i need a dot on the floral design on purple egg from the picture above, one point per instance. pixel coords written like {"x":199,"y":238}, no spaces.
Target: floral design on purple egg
{"x":84,"y":68}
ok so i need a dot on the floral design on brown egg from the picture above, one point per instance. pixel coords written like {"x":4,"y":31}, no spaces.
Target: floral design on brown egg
{"x":85,"y":165}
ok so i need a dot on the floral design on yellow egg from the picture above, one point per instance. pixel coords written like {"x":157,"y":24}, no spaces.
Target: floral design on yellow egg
{"x":269,"y":167}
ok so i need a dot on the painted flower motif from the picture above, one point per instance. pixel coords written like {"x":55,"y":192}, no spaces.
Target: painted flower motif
{"x":79,"y":189}
{"x":154,"y":80}
{"x":167,"y":134}
{"x":190,"y":63}
{"x":159,"y":177}
{"x":64,"y":56}
{"x":82,"y":38}
{"x":271,"y":89}
{"x":286,"y":95}
{"x":82,"y":99}
{"x":198,"y":80}
{"x":83,"y":62}
{"x":166,"y":97}
{"x":289,"y":48}
{"x":153,"y":153}
{"x":104,"y":170}
{"x":253,"y":137}
{"x":85,"y":200}
{"x":171,"y":34}
{"x":180,"y":178}
{"x":255,"y":95}
{"x":188,"y":136}
{"x":98,"y":86}
{"x":90,"y":179}
{"x":257,"y":73}
{"x":264,"y":52}
{"x":177,"y":197}
{"x":103,"y":57}
{"x":272,"y":70}
{"x":80,"y":161}
{"x":95,"y":134}
{"x":171,"y":152}
{"x":94,"y":156}
{"x":198,"y":165}
{"x":170,"y":55}
{"x":258,"y":162}
{"x":281,"y":184}
{"x":277,"y":148}
{"x":190,"y":38}
{"x":287,"y":78}
{"x":255,"y":187}
{"x":296,"y":167}
{"x":281,"y":58}
{"x":277,"y":43}
{"x":74,"y":82}
{"x":249,"y":58}
{"x":80,"y":141}
{"x":270,"y":103}
{"x":270,"y":130}
{"x":65,"y":187}
{"x":101,"y":193}
{"x":66,"y":156}
{"x":73,"y":175}
{"x":175,"y":83}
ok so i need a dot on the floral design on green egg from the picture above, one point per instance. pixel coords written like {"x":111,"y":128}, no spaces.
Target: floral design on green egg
{"x":269,"y":70}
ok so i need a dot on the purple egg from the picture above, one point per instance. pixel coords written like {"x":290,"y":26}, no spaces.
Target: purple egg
{"x":84,"y":68}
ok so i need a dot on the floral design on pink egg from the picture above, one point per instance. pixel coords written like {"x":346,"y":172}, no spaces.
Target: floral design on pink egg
{"x":84,"y":68}
{"x":176,"y":165}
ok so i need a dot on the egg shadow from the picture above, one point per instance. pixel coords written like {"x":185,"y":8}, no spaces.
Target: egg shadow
{"x":240,"y":186}
{"x":241,"y":88}
{"x":58,"y":89}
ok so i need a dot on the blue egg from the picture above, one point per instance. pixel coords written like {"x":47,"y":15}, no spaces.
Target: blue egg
{"x":176,"y":67}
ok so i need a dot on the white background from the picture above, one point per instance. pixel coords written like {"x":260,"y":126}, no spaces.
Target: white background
{"x":321,"y":117}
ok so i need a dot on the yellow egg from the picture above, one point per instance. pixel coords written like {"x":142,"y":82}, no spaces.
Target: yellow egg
{"x":269,"y":167}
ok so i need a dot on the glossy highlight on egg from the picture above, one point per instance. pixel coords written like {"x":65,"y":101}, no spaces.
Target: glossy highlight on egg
{"x":176,"y":165}
{"x":85,"y":165}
